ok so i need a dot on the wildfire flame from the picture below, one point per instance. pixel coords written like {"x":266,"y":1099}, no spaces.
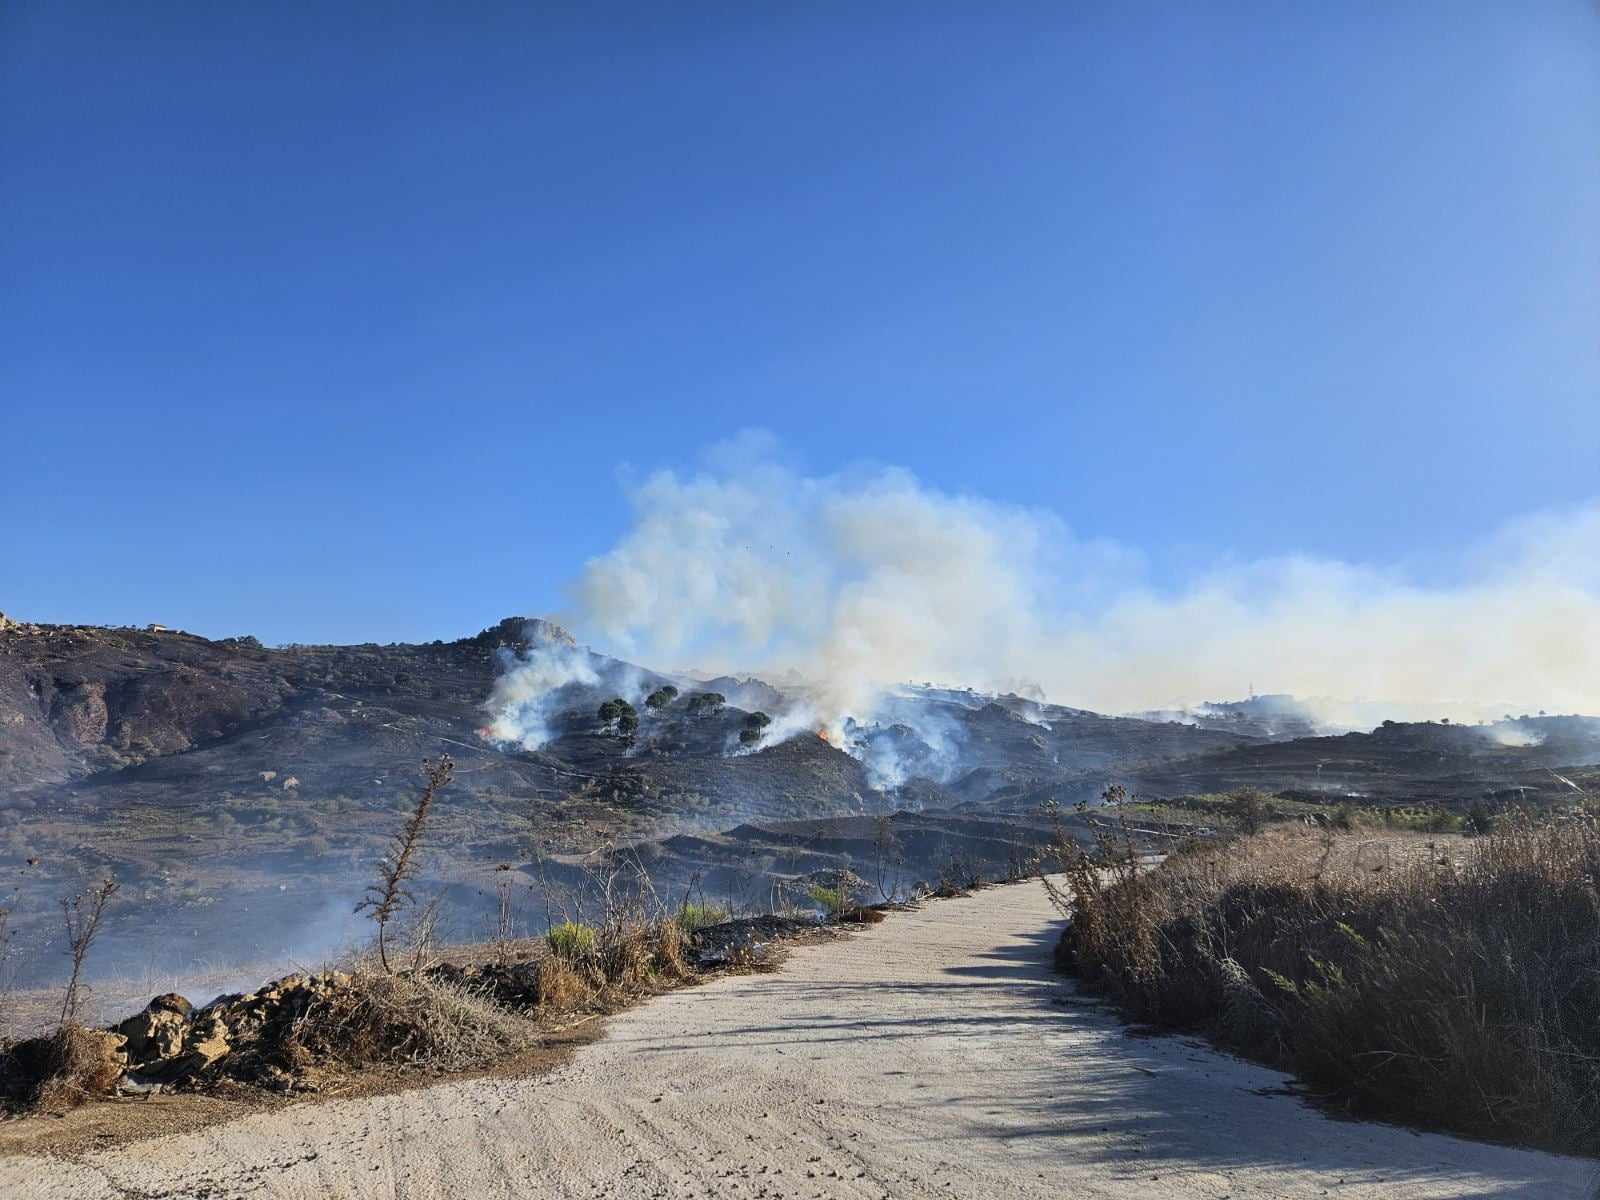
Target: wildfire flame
{"x":823,"y":734}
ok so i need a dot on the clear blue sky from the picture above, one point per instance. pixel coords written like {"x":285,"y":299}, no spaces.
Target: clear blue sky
{"x":335,"y":321}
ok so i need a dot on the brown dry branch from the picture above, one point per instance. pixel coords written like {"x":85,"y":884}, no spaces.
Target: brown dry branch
{"x":391,"y":891}
{"x":503,"y":924}
{"x":82,"y":914}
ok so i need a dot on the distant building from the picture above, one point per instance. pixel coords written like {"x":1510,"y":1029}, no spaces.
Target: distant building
{"x":155,"y":628}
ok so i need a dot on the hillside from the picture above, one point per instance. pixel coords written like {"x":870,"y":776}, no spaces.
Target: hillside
{"x":240,"y":793}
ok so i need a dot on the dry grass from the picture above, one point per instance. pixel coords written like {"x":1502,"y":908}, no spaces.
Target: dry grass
{"x":408,"y":1020}
{"x":860,"y":914}
{"x":1448,"y":981}
{"x":70,"y":1067}
{"x":561,"y":988}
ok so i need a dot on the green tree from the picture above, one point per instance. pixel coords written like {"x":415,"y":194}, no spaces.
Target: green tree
{"x":703,"y":703}
{"x":619,"y":713}
{"x":755,"y":727}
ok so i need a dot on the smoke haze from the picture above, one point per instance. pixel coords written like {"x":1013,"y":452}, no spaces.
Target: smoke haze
{"x":869,"y":578}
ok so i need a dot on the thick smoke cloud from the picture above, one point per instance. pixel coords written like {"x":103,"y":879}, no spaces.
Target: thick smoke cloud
{"x":868,"y":579}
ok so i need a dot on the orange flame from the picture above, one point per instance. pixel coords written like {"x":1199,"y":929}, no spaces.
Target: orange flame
{"x":823,"y":734}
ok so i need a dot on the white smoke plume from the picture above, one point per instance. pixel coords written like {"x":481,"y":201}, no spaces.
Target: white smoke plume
{"x":867,"y":579}
{"x":521,"y":703}
{"x":1513,"y":735}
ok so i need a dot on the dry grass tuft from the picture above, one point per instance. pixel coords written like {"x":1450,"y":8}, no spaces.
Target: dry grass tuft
{"x":70,"y":1067}
{"x":1453,"y":982}
{"x":859,"y":914}
{"x":406,"y":1020}
{"x":561,"y":988}
{"x":668,"y":944}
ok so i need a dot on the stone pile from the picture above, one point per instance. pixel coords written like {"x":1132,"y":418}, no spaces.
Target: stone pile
{"x":250,"y":1037}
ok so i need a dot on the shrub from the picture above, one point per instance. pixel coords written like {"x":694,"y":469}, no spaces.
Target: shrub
{"x":832,"y":900}
{"x":1450,"y":982}
{"x":401,"y":1019}
{"x":1248,"y":806}
{"x":571,"y":941}
{"x":693,"y":916}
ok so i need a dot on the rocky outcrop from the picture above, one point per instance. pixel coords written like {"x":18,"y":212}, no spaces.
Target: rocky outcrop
{"x":77,"y":700}
{"x":79,"y":713}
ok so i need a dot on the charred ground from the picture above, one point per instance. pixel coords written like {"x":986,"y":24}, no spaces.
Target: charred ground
{"x":240,"y":792}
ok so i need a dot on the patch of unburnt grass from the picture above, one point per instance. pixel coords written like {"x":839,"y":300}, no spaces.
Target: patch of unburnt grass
{"x":1446,"y":981}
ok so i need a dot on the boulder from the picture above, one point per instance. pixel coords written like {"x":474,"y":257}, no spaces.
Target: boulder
{"x":155,"y":1035}
{"x":172,"y":1002}
{"x":205,"y":1045}
{"x":110,"y":1047}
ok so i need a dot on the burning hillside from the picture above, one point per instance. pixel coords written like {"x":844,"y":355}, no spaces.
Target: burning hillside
{"x":234,"y":788}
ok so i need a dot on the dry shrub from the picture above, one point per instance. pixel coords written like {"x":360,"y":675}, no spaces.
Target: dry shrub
{"x":561,"y":988}
{"x":1445,"y":981}
{"x":69,"y":1067}
{"x":406,"y":1020}
{"x":622,"y":953}
{"x":668,"y":942}
{"x":858,"y":914}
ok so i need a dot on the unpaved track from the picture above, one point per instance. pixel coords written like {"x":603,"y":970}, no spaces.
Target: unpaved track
{"x":926,"y":1057}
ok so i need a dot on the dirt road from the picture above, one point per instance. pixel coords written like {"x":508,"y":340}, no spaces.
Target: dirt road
{"x":931,"y":1056}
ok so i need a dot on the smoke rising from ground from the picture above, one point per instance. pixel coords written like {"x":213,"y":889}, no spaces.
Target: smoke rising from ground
{"x":522,"y":702}
{"x":868,"y":579}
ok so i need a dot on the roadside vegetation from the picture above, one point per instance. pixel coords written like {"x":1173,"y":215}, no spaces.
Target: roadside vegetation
{"x":406,"y":1002}
{"x":1445,"y":980}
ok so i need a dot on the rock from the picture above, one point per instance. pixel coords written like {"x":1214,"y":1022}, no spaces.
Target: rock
{"x":80,"y":714}
{"x":206,"y":1044}
{"x":109,"y":1046}
{"x":172,"y":1002}
{"x":133,"y":1084}
{"x":155,"y":1035}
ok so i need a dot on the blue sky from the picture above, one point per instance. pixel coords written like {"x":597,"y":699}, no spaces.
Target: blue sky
{"x":337,"y":322}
